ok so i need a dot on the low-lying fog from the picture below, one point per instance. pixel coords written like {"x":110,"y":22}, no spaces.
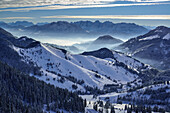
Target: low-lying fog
{"x":80,"y":43}
{"x":64,"y":41}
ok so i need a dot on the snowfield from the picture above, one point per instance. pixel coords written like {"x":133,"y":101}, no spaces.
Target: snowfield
{"x":150,"y":37}
{"x":167,"y":37}
{"x":57,"y":67}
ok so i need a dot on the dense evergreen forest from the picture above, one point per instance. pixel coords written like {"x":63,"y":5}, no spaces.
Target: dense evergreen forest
{"x":20,"y":93}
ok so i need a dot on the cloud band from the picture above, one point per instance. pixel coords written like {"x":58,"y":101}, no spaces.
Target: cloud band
{"x":53,"y":7}
{"x":150,"y":17}
{"x":13,"y":18}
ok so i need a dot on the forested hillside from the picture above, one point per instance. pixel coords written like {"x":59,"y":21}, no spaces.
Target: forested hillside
{"x":20,"y":93}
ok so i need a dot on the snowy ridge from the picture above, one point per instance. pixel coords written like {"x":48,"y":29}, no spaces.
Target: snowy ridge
{"x":150,"y":37}
{"x":57,"y":67}
{"x":130,"y":62}
{"x":150,"y":48}
{"x":167,"y":37}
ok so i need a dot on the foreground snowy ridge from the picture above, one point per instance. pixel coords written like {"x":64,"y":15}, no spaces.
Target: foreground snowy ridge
{"x":75,"y":72}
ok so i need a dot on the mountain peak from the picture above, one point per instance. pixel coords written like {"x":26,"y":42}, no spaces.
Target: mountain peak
{"x":59,"y":22}
{"x":161,"y":28}
{"x":107,"y":39}
{"x":104,"y":50}
{"x":101,"y":53}
{"x":158,"y":33}
{"x":25,"y":38}
{"x":34,"y":44}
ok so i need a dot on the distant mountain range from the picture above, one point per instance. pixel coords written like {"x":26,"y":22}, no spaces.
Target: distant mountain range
{"x":84,"y":29}
{"x":152,"y":48}
{"x":21,"y":23}
{"x":61,"y":28}
{"x":16,"y":25}
{"x":120,"y":30}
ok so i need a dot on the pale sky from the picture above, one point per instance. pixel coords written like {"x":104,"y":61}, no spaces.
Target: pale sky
{"x":143,"y":12}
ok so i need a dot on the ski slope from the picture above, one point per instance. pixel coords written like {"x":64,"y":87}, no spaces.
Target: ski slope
{"x":57,"y":65}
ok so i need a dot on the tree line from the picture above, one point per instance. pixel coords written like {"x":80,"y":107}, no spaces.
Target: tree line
{"x":21,"y":93}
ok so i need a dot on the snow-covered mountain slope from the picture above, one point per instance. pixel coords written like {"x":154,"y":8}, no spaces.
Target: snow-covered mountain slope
{"x":118,"y":57}
{"x":69,"y":71}
{"x":152,"y":47}
{"x":102,"y":70}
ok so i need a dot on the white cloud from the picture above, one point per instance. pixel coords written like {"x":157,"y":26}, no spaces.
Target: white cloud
{"x":52,"y":7}
{"x":151,"y":17}
{"x":26,"y":3}
{"x":11,"y":18}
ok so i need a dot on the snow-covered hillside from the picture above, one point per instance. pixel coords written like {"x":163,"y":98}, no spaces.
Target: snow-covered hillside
{"x":76,"y":72}
{"x":151,"y":48}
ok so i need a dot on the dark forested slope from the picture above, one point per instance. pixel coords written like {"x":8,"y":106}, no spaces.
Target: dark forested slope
{"x":24,"y":94}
